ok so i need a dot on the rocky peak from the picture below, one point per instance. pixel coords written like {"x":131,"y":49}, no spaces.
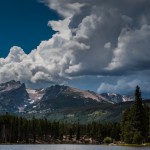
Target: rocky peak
{"x":13,"y":95}
{"x":4,"y":87}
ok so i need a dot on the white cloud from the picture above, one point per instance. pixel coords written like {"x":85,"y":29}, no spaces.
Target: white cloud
{"x":125,"y":86}
{"x":107,"y":45}
{"x":64,"y":7}
{"x":120,"y":86}
{"x":61,"y":26}
{"x":52,"y":61}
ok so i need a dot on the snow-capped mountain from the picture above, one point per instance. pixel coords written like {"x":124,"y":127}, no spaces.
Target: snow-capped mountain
{"x":60,"y":96}
{"x":15,"y":97}
{"x":117,"y":98}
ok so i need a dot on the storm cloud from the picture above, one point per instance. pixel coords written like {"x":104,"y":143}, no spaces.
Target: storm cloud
{"x":94,"y":37}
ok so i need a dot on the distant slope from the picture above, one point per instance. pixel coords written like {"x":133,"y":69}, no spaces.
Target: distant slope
{"x":117,"y":98}
{"x":105,"y":112}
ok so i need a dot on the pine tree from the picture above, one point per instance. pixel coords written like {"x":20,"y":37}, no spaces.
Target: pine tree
{"x":70,"y":134}
{"x":139,"y":119}
{"x":34,"y":129}
{"x":126,"y":127}
{"x":135,"y":121}
{"x":78,"y":132}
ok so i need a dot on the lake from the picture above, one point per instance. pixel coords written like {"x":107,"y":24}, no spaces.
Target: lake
{"x":68,"y":147}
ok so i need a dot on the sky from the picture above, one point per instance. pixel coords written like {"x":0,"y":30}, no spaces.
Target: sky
{"x":24,"y":23}
{"x":97,"y":45}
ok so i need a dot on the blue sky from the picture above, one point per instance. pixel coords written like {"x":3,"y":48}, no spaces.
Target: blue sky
{"x":97,"y":45}
{"x":24,"y":24}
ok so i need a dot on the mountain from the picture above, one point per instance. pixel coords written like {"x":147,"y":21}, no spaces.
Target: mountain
{"x":61,"y":102}
{"x":60,"y":96}
{"x":13,"y":96}
{"x":117,"y":98}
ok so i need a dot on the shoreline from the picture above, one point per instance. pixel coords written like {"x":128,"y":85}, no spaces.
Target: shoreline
{"x":111,"y":144}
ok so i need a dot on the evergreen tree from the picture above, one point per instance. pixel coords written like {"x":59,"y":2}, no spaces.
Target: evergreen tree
{"x":34,"y":129}
{"x":135,"y":121}
{"x":139,"y":119}
{"x":26,"y":131}
{"x":78,"y":132}
{"x":70,"y":134}
{"x":126,"y":127}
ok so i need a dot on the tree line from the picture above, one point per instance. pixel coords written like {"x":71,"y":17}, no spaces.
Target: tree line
{"x":134,"y":128}
{"x":15,"y":129}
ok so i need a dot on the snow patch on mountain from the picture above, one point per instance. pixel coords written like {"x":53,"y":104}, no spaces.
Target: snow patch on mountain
{"x":117,"y":98}
{"x":35,"y":95}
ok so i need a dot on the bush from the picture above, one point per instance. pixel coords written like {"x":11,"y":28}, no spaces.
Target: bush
{"x":107,"y":140}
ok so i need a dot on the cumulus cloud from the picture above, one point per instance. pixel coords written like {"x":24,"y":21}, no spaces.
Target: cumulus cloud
{"x":92,"y":38}
{"x":125,"y":86}
{"x":133,"y":50}
{"x":66,"y":8}
{"x":117,"y":33}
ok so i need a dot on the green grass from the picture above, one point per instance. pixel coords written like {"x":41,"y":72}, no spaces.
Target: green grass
{"x":135,"y":145}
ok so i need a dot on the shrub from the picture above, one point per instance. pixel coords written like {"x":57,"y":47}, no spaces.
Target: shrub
{"x":107,"y":140}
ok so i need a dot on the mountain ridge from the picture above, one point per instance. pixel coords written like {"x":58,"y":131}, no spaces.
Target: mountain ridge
{"x":60,"y":102}
{"x":53,"y":96}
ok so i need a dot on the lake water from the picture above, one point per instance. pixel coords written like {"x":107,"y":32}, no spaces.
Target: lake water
{"x":68,"y":147}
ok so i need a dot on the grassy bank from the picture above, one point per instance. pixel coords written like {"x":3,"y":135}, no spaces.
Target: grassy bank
{"x":135,"y":145}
